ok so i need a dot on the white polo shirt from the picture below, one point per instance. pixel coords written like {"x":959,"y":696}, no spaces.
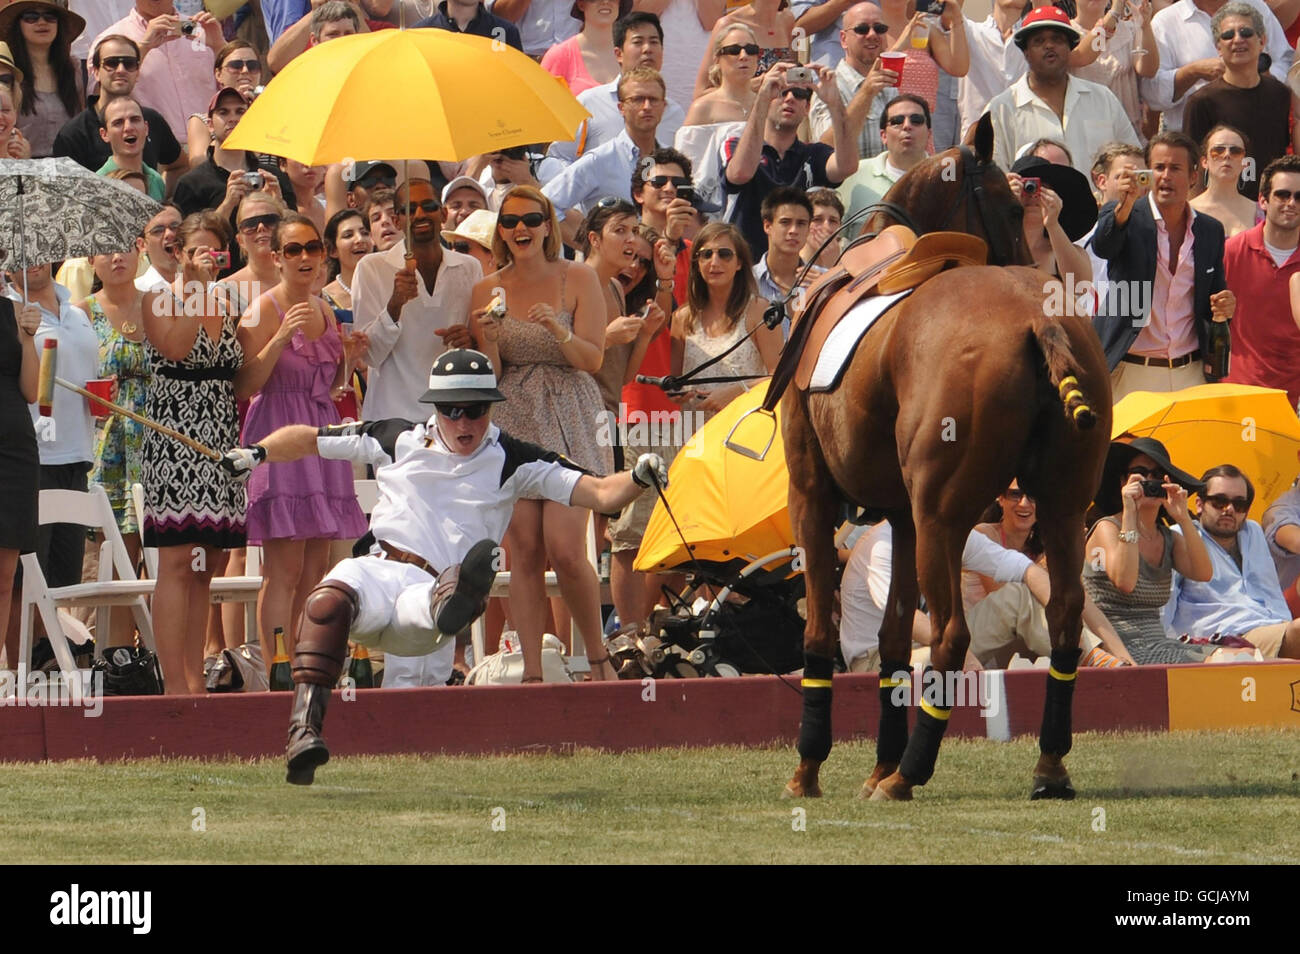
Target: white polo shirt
{"x":436,"y":503}
{"x":78,"y":362}
{"x":401,"y":353}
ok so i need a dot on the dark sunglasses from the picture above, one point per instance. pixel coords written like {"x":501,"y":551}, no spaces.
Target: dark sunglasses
{"x":243,"y":66}
{"x":724,"y":254}
{"x":659,"y":182}
{"x":1226,"y":150}
{"x":1244,"y":32}
{"x":128,"y":63}
{"x":1149,"y":472}
{"x":862,"y":29}
{"x":918,"y":119}
{"x":1284,"y":195}
{"x":251,"y":224}
{"x":454,"y":412}
{"x":798,"y":92}
{"x":735,"y":49}
{"x":1017,"y":495}
{"x":462,"y":247}
{"x":1221,"y":501}
{"x":36,"y":16}
{"x":7,"y":81}
{"x":298,"y":249}
{"x":426,"y":205}
{"x":531,"y":219}
{"x":371,"y":181}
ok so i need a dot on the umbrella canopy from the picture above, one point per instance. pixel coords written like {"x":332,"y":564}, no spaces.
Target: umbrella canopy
{"x":730,"y":507}
{"x":407,"y":94}
{"x":54,"y":209}
{"x":1253,"y":428}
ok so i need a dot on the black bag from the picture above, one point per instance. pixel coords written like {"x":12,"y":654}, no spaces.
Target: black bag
{"x":130,"y":672}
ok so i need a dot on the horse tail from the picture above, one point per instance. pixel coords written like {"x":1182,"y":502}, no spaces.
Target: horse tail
{"x":1062,"y":371}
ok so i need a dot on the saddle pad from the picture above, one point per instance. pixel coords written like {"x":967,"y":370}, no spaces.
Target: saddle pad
{"x":844,"y":337}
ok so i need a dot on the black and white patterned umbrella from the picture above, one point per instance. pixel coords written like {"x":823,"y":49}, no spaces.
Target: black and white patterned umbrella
{"x":54,"y":209}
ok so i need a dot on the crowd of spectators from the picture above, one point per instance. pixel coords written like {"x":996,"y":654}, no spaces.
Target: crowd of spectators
{"x":1152,"y":144}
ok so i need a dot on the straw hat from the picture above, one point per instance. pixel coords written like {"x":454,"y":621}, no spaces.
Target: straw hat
{"x":72,"y":24}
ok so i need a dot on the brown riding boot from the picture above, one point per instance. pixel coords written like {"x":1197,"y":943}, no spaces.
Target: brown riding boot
{"x":462,"y":592}
{"x":317,"y":664}
{"x":306,"y":748}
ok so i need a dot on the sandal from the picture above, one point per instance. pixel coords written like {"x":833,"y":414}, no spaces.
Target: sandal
{"x":528,"y":679}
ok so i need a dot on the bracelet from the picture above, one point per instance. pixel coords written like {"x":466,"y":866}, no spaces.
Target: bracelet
{"x":1128,"y":536}
{"x":567,"y":338}
{"x":664,"y":284}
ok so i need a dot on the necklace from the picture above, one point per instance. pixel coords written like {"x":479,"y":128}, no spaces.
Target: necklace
{"x":347,"y":289}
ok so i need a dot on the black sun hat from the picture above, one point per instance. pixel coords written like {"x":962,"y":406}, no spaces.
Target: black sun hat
{"x":1078,"y":206}
{"x":462,"y":376}
{"x":1118,"y":458}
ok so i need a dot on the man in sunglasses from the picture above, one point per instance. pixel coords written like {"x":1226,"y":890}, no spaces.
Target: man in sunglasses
{"x":115,"y":63}
{"x":865,"y":86}
{"x":1243,"y":597}
{"x":769,"y":153}
{"x":1258,"y":265}
{"x":904,"y":133}
{"x":447,"y":489}
{"x":1256,"y":104}
{"x":412,"y":304}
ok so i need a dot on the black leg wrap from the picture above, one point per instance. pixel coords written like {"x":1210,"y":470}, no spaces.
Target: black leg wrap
{"x":1055,"y":737}
{"x":815,"y":728}
{"x":895,"y":699}
{"x":922,"y":750}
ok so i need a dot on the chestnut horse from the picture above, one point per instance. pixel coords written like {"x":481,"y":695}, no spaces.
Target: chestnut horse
{"x":966,"y":384}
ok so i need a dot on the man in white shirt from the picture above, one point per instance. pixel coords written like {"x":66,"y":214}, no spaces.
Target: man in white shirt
{"x":1189,"y":59}
{"x":987,"y":42}
{"x":411,"y":307}
{"x":1047,"y":102}
{"x":865,"y":87}
{"x":447,"y":489}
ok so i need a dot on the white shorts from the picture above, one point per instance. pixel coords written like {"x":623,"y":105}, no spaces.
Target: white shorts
{"x":393,"y":611}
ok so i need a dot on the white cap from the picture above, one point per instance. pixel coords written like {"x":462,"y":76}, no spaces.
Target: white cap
{"x":464,"y":182}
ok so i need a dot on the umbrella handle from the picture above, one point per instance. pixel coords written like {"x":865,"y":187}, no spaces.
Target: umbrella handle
{"x":741,"y":448}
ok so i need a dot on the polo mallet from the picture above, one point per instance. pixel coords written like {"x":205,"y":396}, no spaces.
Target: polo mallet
{"x":189,"y":442}
{"x":45,"y":383}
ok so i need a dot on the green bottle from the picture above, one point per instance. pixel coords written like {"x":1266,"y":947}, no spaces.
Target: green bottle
{"x":363,"y":677}
{"x":281,"y":677}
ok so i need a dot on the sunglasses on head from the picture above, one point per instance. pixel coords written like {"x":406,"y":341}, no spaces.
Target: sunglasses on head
{"x":1244,"y":32}
{"x":735,"y":49}
{"x":251,"y":224}
{"x":659,"y":182}
{"x":128,"y":63}
{"x":862,"y":29}
{"x":1015,"y":495}
{"x":298,"y":249}
{"x":35,"y":16}
{"x":426,"y":205}
{"x":454,"y":412}
{"x":798,"y":92}
{"x":724,"y":254}
{"x":530,"y":219}
{"x":917,"y":119}
{"x":1284,"y":195}
{"x":1226,"y":150}
{"x":242,"y":66}
{"x":1221,"y":501}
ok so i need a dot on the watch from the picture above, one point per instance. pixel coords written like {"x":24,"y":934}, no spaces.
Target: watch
{"x":1128,"y":536}
{"x":664,"y":284}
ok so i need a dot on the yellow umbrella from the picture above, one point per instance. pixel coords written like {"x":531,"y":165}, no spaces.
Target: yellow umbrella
{"x":729,"y":506}
{"x":407,"y":94}
{"x":1253,"y":428}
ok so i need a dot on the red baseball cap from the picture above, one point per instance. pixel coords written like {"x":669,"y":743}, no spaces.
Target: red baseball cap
{"x":225,"y":90}
{"x":1047,"y":18}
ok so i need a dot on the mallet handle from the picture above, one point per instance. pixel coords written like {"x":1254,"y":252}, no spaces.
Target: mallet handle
{"x":161,"y":429}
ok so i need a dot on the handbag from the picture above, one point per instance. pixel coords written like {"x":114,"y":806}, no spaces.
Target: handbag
{"x":506,"y":666}
{"x":128,"y":671}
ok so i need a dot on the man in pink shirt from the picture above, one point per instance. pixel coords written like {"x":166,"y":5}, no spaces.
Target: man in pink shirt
{"x":1165,"y":269}
{"x":176,"y":73}
{"x":1260,"y":264}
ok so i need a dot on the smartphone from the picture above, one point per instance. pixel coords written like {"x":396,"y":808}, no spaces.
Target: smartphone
{"x":221,"y":260}
{"x":1153,"y":488}
{"x":801,"y":74}
{"x":687,"y":193}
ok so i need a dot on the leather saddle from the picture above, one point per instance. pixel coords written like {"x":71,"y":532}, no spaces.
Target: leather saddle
{"x":895,"y":260}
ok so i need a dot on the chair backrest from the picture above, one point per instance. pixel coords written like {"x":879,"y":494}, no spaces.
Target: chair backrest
{"x":367,"y":495}
{"x":150,"y":553}
{"x":89,"y":509}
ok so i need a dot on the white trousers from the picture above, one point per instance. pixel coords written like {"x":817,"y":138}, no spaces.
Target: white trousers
{"x":393,"y":612}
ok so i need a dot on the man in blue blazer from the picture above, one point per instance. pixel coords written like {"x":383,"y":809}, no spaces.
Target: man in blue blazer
{"x":1165,"y":270}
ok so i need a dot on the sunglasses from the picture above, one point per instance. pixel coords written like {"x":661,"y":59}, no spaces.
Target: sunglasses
{"x":1148,"y":472}
{"x":724,"y":254}
{"x":462,"y":247}
{"x":862,"y":29}
{"x":917,"y":119}
{"x":128,"y":63}
{"x":1017,"y":495}
{"x":370,"y":182}
{"x":251,"y":224}
{"x":454,"y":412}
{"x":530,"y":219}
{"x":1244,"y":32}
{"x":1221,"y":501}
{"x":735,"y":49}
{"x":426,"y":205}
{"x":158,"y":231}
{"x":802,"y":93}
{"x":299,"y":249}
{"x":242,"y":66}
{"x":36,"y":16}
{"x":1284,"y":195}
{"x":659,"y":182}
{"x":1226,"y":150}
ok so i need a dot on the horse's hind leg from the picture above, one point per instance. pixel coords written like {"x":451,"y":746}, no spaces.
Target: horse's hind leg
{"x":1062,"y":537}
{"x":813,"y":513}
{"x":895,"y":652}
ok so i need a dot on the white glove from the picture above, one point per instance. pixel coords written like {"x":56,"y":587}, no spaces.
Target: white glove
{"x":650,"y":469}
{"x":240,"y":461}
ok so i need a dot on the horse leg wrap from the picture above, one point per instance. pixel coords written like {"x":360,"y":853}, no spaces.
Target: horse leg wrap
{"x":1054,"y":739}
{"x":895,"y":698}
{"x":922,"y":750}
{"x":322,"y":644}
{"x":815,"y":729}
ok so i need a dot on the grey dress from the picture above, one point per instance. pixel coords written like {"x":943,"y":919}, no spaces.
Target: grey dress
{"x":1136,"y":615}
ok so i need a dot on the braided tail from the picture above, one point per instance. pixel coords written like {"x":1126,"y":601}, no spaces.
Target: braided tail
{"x":1055,"y":345}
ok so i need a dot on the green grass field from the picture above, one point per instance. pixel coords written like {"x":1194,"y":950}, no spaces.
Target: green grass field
{"x":1228,"y":798}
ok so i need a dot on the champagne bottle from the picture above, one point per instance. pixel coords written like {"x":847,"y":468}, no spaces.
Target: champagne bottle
{"x":363,"y":677}
{"x":281,"y":677}
{"x":1218,"y":360}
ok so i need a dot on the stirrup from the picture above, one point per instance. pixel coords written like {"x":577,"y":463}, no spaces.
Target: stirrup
{"x":741,"y":448}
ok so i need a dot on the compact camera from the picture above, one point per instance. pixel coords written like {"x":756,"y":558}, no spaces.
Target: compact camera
{"x":801,"y":74}
{"x":188,"y":27}
{"x":1153,"y":488}
{"x":221,"y":260}
{"x":254,"y":179}
{"x":1144,"y":177}
{"x":1030,"y":186}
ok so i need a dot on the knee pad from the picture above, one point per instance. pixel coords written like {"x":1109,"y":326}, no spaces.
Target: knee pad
{"x":322,"y":645}
{"x":328,"y":601}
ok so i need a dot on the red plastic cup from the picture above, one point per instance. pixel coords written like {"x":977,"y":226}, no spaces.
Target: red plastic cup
{"x":100,"y":387}
{"x":895,"y":62}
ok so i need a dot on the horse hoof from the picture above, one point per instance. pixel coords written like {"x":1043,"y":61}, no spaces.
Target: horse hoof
{"x":891,"y":789}
{"x":1057,"y":788}
{"x":795,"y":790}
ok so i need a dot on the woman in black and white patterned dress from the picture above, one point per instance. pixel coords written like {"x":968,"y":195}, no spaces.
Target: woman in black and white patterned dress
{"x":192,"y":510}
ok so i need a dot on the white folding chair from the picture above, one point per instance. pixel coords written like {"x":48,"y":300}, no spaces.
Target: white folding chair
{"x":93,"y":510}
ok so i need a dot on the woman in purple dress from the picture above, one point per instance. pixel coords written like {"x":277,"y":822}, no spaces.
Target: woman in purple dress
{"x":295,"y":358}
